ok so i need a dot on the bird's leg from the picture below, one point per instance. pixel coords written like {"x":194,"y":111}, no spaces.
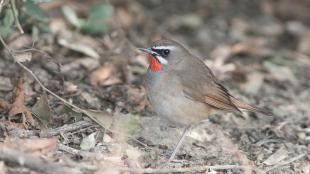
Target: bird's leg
{"x":180,"y":142}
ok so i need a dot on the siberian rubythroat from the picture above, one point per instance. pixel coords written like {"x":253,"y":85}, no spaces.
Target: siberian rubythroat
{"x":182,"y":88}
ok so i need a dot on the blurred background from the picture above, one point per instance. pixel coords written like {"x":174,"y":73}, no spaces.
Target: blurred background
{"x":85,"y":52}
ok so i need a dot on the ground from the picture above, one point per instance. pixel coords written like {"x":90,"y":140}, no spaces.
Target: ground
{"x":101,"y":122}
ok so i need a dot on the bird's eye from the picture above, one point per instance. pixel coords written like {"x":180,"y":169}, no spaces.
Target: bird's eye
{"x":166,"y":52}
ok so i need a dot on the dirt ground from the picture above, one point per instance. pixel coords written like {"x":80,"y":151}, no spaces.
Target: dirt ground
{"x":101,"y":121}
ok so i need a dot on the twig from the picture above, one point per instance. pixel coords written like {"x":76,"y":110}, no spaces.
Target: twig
{"x":285,"y":162}
{"x":183,"y":170}
{"x":21,"y":133}
{"x":73,"y":151}
{"x":66,"y":128}
{"x":33,"y":162}
{"x":14,"y":9}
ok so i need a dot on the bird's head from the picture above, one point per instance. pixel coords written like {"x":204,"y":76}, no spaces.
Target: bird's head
{"x":164,"y":53}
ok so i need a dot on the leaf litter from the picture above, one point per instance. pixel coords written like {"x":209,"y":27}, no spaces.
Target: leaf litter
{"x":104,"y":72}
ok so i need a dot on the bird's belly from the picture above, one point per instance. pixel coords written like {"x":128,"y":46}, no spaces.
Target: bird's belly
{"x":178,"y":109}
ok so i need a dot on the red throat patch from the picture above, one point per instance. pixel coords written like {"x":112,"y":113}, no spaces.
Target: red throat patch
{"x":155,"y":66}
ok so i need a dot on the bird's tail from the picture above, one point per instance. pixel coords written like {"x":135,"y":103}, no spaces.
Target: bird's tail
{"x":245,"y":106}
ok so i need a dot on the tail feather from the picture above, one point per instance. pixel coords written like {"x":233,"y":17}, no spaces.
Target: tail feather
{"x":249,"y":107}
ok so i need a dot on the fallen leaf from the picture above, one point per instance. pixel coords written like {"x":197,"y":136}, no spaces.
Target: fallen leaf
{"x":71,"y":87}
{"x":88,"y":142}
{"x":23,"y":57}
{"x":42,"y":110}
{"x":253,"y":46}
{"x":18,"y":107}
{"x":278,"y":156}
{"x":19,"y":42}
{"x":71,"y":16}
{"x":104,"y":75}
{"x":98,"y":19}
{"x":68,"y":113}
{"x":79,"y":47}
{"x":101,"y":117}
{"x":222,"y":52}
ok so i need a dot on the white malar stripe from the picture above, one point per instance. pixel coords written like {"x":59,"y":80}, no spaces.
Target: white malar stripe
{"x":163,"y":47}
{"x":162,"y":60}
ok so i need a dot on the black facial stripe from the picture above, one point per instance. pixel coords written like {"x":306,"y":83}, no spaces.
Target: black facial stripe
{"x":161,"y":52}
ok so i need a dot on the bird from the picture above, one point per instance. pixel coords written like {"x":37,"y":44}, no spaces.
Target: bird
{"x":182,"y":89}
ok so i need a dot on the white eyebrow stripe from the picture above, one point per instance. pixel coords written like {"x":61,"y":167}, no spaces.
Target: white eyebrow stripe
{"x":163,"y":47}
{"x":162,"y":60}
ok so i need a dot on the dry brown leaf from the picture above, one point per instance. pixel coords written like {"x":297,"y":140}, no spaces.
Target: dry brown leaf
{"x":20,"y":42}
{"x":23,"y":57}
{"x":17,"y":106}
{"x":253,"y":46}
{"x":38,"y":146}
{"x":104,"y":75}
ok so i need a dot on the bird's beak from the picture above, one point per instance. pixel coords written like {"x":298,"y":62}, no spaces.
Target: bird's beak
{"x":149,"y":51}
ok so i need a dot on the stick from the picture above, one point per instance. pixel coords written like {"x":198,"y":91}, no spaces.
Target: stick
{"x":21,"y":133}
{"x":183,"y":170}
{"x":66,"y":128}
{"x":32,"y":162}
{"x":84,"y":154}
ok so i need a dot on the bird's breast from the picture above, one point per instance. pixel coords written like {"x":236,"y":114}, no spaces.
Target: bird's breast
{"x":165,"y":94}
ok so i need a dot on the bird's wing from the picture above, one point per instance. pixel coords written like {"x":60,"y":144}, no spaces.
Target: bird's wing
{"x":200,"y":85}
